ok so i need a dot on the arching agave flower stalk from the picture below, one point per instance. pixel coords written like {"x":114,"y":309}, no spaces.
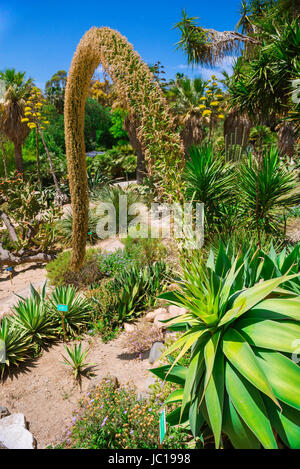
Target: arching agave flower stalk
{"x":241,"y":331}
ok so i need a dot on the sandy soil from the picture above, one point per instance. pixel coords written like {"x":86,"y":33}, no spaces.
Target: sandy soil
{"x":45,"y":391}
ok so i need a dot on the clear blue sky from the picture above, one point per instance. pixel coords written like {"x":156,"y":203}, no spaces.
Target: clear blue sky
{"x":40,"y":37}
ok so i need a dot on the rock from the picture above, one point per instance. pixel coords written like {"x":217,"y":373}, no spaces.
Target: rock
{"x":16,"y":437}
{"x":151,"y":316}
{"x":162,"y":317}
{"x":4,"y":412}
{"x":156,"y":351}
{"x":2,"y":446}
{"x":176,"y":311}
{"x":129,"y":327}
{"x":13,"y":419}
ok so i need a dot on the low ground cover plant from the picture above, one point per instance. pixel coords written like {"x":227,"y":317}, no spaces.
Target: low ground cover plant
{"x":111,"y":417}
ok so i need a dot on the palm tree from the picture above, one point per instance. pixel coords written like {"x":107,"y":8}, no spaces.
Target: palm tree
{"x":186,"y":95}
{"x":17,"y":89}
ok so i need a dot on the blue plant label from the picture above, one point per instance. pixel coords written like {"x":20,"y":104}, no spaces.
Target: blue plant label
{"x":162,"y":426}
{"x":90,"y":233}
{"x":62,"y":308}
{"x":9,"y":269}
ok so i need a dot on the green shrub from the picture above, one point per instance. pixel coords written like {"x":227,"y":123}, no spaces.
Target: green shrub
{"x":59,"y":273}
{"x":111,"y":264}
{"x":145,"y":250}
{"x":110,"y":417}
{"x":241,"y":327}
{"x":17,"y":345}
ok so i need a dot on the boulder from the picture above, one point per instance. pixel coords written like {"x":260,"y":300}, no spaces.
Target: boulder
{"x":4,"y":412}
{"x":129,"y":327}
{"x":156,"y":351}
{"x":152,"y":315}
{"x":13,"y":419}
{"x":16,"y":437}
{"x":176,"y":311}
{"x":162,"y":317}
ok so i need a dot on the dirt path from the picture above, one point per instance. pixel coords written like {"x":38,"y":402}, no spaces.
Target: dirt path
{"x":46,"y":394}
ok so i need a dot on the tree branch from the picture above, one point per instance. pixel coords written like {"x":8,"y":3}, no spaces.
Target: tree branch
{"x":8,"y":259}
{"x":11,"y":231}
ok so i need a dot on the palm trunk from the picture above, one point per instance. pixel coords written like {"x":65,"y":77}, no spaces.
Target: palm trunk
{"x":4,"y":160}
{"x":19,"y":158}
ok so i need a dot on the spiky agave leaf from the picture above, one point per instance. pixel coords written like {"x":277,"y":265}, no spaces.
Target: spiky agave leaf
{"x":241,"y":380}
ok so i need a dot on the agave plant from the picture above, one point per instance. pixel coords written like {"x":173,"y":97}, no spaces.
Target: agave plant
{"x":78,"y":312}
{"x":241,"y":380}
{"x":135,"y":288}
{"x":77,"y":360}
{"x":15,"y":346}
{"x":31,"y":317}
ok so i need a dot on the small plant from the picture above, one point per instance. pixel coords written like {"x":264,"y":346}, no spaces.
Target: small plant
{"x":78,"y":314}
{"x":141,"y":339}
{"x":145,"y":250}
{"x":113,"y":263}
{"x":77,"y":360}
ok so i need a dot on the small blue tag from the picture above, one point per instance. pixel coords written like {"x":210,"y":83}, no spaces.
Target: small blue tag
{"x":9,"y":269}
{"x":62,"y":308}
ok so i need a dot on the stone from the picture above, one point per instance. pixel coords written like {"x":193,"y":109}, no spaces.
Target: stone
{"x":151,"y":316}
{"x":13,"y":419}
{"x":129,"y":327}
{"x":2,"y":446}
{"x":16,"y":437}
{"x":176,"y":311}
{"x":4,"y":412}
{"x":162,"y":317}
{"x":156,"y":351}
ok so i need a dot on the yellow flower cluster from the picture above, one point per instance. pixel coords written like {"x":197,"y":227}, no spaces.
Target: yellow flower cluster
{"x":33,"y":110}
{"x":213,"y":95}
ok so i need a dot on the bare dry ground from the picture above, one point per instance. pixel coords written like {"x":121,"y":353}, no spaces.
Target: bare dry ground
{"x":46,"y":393}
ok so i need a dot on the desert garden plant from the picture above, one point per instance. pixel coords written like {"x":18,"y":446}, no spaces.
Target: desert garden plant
{"x":79,"y":310}
{"x":209,"y":180}
{"x":241,"y":380}
{"x":275,"y":192}
{"x":30,"y":316}
{"x":17,"y":345}
{"x":76,"y":359}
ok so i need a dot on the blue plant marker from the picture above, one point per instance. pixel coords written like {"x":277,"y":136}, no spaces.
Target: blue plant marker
{"x":162,"y":426}
{"x":9,"y":269}
{"x":62,"y":308}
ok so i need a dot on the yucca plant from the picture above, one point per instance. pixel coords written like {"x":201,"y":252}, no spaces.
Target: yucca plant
{"x":79,"y":310}
{"x":241,"y":380}
{"x":275,"y":192}
{"x":30,"y":316}
{"x":17,"y":348}
{"x":77,"y":360}
{"x":209,"y":180}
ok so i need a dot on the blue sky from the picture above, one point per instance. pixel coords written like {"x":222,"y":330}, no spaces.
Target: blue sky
{"x":41,"y":37}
